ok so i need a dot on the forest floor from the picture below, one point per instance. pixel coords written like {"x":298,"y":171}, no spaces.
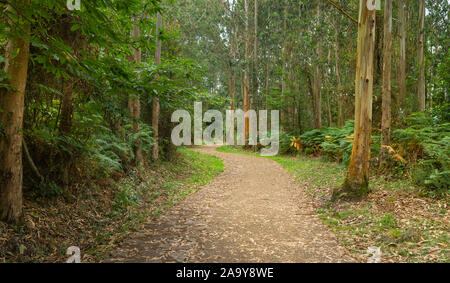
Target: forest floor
{"x":99,"y":213}
{"x":252,"y":212}
{"x":395,"y":216}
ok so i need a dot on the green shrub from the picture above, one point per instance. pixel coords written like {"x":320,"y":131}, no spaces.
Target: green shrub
{"x":333,"y":143}
{"x":339,"y":142}
{"x":425,"y":144}
{"x":421,"y":149}
{"x":285,"y":143}
{"x":312,"y":139}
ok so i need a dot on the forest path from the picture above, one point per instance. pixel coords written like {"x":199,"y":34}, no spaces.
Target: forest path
{"x":252,"y":212}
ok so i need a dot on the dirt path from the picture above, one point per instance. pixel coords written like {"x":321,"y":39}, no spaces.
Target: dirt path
{"x":253,"y":212}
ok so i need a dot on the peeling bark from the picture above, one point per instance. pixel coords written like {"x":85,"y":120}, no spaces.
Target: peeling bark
{"x":357,"y":180}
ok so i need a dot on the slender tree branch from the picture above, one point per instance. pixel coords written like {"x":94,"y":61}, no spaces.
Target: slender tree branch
{"x":30,"y":160}
{"x":342,"y":11}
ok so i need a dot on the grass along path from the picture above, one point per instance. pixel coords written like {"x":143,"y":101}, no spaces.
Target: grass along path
{"x":162,"y":188}
{"x":407,"y":227}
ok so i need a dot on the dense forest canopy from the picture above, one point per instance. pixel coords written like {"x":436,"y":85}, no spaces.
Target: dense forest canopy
{"x":89,"y":92}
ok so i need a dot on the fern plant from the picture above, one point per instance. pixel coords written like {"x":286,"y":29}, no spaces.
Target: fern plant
{"x":426,"y":145}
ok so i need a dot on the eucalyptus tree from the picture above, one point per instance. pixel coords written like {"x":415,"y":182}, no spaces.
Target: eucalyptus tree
{"x":421,"y":56}
{"x":357,"y":180}
{"x":402,"y":51}
{"x":155,"y":102}
{"x":386,"y":99}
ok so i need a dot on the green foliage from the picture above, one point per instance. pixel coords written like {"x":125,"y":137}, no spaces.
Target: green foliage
{"x":421,"y":149}
{"x":313,"y":138}
{"x":338,"y":142}
{"x":388,"y":221}
{"x":426,"y":145}
{"x":112,"y":153}
{"x":333,"y":143}
{"x":127,"y":194}
{"x":84,"y":48}
{"x":285,"y":141}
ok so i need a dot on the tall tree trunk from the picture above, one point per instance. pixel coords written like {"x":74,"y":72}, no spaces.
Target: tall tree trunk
{"x":246,"y":74}
{"x":330,"y":118}
{"x":155,"y":102}
{"x":231,"y":86}
{"x":317,"y":79}
{"x":267,"y":79}
{"x":340,"y":105}
{"x":231,"y":83}
{"x":268,"y":59}
{"x":402,"y":65}
{"x":386,"y":103}
{"x":65,"y":125}
{"x":357,"y":179}
{"x":135,"y":107}
{"x":327,"y":84}
{"x":421,"y":57}
{"x":291,"y":98}
{"x":317,"y":96}
{"x":299,"y":117}
{"x":255,"y":57}
{"x":11,"y":123}
{"x":231,"y":79}
{"x":283,"y":67}
{"x":339,"y":95}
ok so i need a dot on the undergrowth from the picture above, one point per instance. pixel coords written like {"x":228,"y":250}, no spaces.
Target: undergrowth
{"x":419,"y":150}
{"x":98,"y":214}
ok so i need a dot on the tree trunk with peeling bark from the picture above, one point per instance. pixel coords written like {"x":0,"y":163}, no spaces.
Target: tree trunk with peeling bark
{"x":356,"y":183}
